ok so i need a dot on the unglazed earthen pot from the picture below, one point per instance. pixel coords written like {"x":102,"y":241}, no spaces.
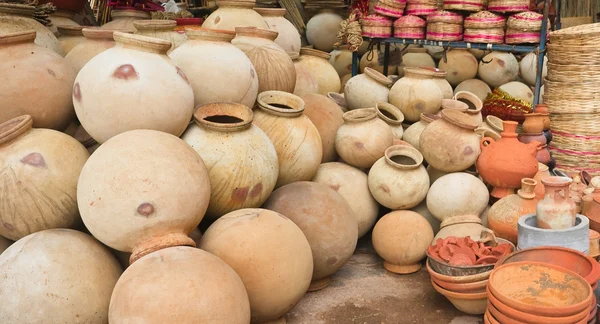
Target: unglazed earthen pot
{"x":232,"y":14}
{"x":296,"y":139}
{"x":241,"y":159}
{"x":122,"y":19}
{"x":456,"y":194}
{"x":392,"y":116}
{"x":70,"y":36}
{"x":367,"y":89}
{"x":556,"y":211}
{"x":160,"y":28}
{"x":269,"y":253}
{"x":412,"y":134}
{"x":326,"y":220}
{"x":64,"y":275}
{"x":306,"y":82}
{"x":120,"y":77}
{"x":34,"y":81}
{"x":196,"y":287}
{"x":40,"y":169}
{"x":289,"y":38}
{"x":96,"y":41}
{"x":416,"y":93}
{"x":326,"y":115}
{"x":317,"y":64}
{"x":321,"y":29}
{"x":18,"y":18}
{"x":143,"y":190}
{"x":459,"y":64}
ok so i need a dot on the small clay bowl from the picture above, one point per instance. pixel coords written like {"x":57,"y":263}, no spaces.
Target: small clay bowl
{"x":458,"y":279}
{"x":470,"y":303}
{"x":472,"y":287}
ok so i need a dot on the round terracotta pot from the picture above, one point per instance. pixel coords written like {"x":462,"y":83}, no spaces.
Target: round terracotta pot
{"x":416,"y":93}
{"x":70,"y":36}
{"x":119,"y":77}
{"x":295,"y":137}
{"x":470,"y":303}
{"x":367,"y":89}
{"x":96,"y":41}
{"x":534,"y":123}
{"x":412,"y":134}
{"x":269,"y":253}
{"x":322,"y":28}
{"x":232,"y":77}
{"x":392,"y":116}
{"x":527,"y":138}
{"x":226,"y":140}
{"x":182,"y":279}
{"x":544,"y":111}
{"x":363,"y":138}
{"x":122,"y":19}
{"x":274,"y":67}
{"x":143,"y":190}
{"x":474,"y":86}
{"x":457,"y":279}
{"x":460,"y":65}
{"x":457,"y":194}
{"x":327,"y":117}
{"x":289,"y":37}
{"x":305,"y":82}
{"x":162,"y":29}
{"x":232,"y":14}
{"x":18,"y":18}
{"x":351,"y":183}
{"x":498,"y":68}
{"x":66,"y":275}
{"x":326,"y":220}
{"x":341,"y":60}
{"x":317,"y":64}
{"x":49,"y":80}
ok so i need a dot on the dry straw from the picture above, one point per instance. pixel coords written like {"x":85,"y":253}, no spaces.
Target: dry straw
{"x":525,"y":21}
{"x":574,"y":72}
{"x":438,"y":31}
{"x":521,"y":37}
{"x":582,"y":55}
{"x":488,"y":36}
{"x":464,"y":5}
{"x":583,"y":35}
{"x":485,"y":20}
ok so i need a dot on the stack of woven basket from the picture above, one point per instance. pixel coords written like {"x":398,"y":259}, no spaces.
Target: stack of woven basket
{"x":421,"y":7}
{"x":410,"y":26}
{"x":376,"y":26}
{"x":445,"y":26}
{"x":524,"y":27}
{"x":573,"y":97}
{"x":390,"y":8}
{"x":484,"y":27}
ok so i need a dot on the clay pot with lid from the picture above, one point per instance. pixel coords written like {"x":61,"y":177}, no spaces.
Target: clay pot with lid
{"x":556,"y":210}
{"x":305,"y":81}
{"x":66,"y":275}
{"x":491,"y":127}
{"x":399,"y":180}
{"x":474,"y":103}
{"x":326,"y":115}
{"x":274,"y":67}
{"x":17,"y":18}
{"x":401,"y":238}
{"x":392,"y":116}
{"x":160,"y":28}
{"x":226,"y":140}
{"x":289,"y":37}
{"x":504,"y":214}
{"x":415,"y":57}
{"x":363,"y":138}
{"x":457,"y":194}
{"x":143,"y":190}
{"x":40,"y":167}
{"x":34,"y":81}
{"x":367,"y":89}
{"x":195,"y":285}
{"x":416,"y":93}
{"x":461,"y":226}
{"x":232,"y":77}
{"x":341,"y":60}
{"x":534,"y":123}
{"x":122,"y":19}
{"x":450,"y":143}
{"x":459,"y":64}
{"x":70,"y":36}
{"x":317,"y":64}
{"x":296,"y":139}
{"x":412,"y":134}
{"x":474,"y":86}
{"x":96,"y":41}
{"x":327,"y":221}
{"x":232,"y":14}
{"x":275,"y":278}
{"x":120,"y":77}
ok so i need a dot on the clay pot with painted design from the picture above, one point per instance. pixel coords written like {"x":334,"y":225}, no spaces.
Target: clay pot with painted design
{"x":367,"y":89}
{"x":232,"y":14}
{"x":160,"y":28}
{"x":416,"y":93}
{"x":122,"y":19}
{"x":96,"y":41}
{"x":40,"y":168}
{"x":70,"y":36}
{"x":556,"y":211}
{"x":241,"y":159}
{"x":18,"y":18}
{"x":317,"y":63}
{"x":143,"y":190}
{"x":326,"y":115}
{"x":289,"y":38}
{"x":120,"y":77}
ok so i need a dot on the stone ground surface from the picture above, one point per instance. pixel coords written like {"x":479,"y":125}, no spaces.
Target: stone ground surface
{"x":363,"y":292}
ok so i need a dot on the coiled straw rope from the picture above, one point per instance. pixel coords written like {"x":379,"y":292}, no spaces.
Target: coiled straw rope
{"x":350,"y":32}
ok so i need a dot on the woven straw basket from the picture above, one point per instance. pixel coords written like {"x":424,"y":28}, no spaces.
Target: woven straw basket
{"x":485,"y":20}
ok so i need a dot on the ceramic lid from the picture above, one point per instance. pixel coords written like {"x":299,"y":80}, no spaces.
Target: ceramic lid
{"x":459,"y":119}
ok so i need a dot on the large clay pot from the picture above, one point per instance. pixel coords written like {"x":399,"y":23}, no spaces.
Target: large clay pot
{"x":269,"y":253}
{"x":422,"y":210}
{"x":196,"y":287}
{"x":232,"y":77}
{"x":459,"y":64}
{"x":528,"y":68}
{"x":439,"y":76}
{"x":505,"y":162}
{"x":296,"y":139}
{"x":40,"y":168}
{"x":367,"y":89}
{"x":274,"y":67}
{"x":374,"y":59}
{"x":232,"y":14}
{"x":475,"y":105}
{"x":61,"y":18}
{"x":322,"y":28}
{"x":416,"y":93}
{"x":96,"y":41}
{"x":492,"y":127}
{"x":226,"y":140}
{"x":65,"y":275}
{"x":289,"y":37}
{"x":457,"y":194}
{"x":42,"y":86}
{"x":518,"y":90}
{"x":401,"y":238}
{"x":498,"y":68}
{"x":399,"y":180}
{"x":305,"y":81}
{"x":450,"y":144}
{"x":504,"y":214}
{"x":123,"y":19}
{"x":474,"y":86}
{"x":326,"y":220}
{"x":317,"y":63}
{"x":461,"y":226}
{"x":351,"y":183}
{"x":160,"y":28}
{"x":120,"y":77}
{"x":392,"y":116}
{"x":70,"y":36}
{"x":341,"y":60}
{"x":415,"y":57}
{"x":412,"y":134}
{"x":363,"y":138}
{"x":143,"y":190}
{"x":325,"y":114}
{"x":556,"y":211}
{"x":16,"y":18}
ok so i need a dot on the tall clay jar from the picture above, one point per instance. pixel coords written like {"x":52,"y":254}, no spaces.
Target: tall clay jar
{"x":289,"y":38}
{"x":295,"y":137}
{"x":412,"y":134}
{"x":317,"y":63}
{"x":70,"y":36}
{"x":232,"y":14}
{"x":40,"y":168}
{"x":392,"y":116}
{"x":123,"y":19}
{"x":16,"y":18}
{"x":367,"y":89}
{"x":96,"y":41}
{"x":363,"y":138}
{"x":556,"y":211}
{"x":232,"y":77}
{"x":416,"y":93}
{"x":226,"y":140}
{"x":534,"y":123}
{"x":159,"y":28}
{"x":450,"y":143}
{"x":274,"y":67}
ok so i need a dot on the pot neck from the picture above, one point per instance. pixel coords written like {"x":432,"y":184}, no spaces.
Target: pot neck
{"x":459,"y":119}
{"x":473,"y":102}
{"x":256,"y":33}
{"x":554,"y":184}
{"x":70,"y":30}
{"x":389,"y":113}
{"x":403,"y":157}
{"x":418,"y":73}
{"x":280,"y":103}
{"x":142,"y":43}
{"x":97,"y":33}
{"x":313,"y":52}
{"x":18,"y":38}
{"x":14,"y":128}
{"x":527,"y":187}
{"x":494,"y":123}
{"x":377,"y":77}
{"x":437,"y":73}
{"x":510,"y":129}
{"x":226,"y":117}
{"x":271,"y":12}
{"x":463,"y":219}
{"x":428,"y":118}
{"x":210,"y":35}
{"x":155,"y":24}
{"x":360,"y":115}
{"x":236,"y":4}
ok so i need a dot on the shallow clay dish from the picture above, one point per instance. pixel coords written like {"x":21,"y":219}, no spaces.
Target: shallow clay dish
{"x":470,"y":303}
{"x":490,"y":319}
{"x":472,"y":287}
{"x":458,"y":279}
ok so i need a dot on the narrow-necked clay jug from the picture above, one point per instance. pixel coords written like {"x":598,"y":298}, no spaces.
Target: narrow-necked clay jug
{"x":504,"y":214}
{"x":160,"y":28}
{"x":96,"y":41}
{"x":269,"y":253}
{"x":363,"y":138}
{"x":366,"y":89}
{"x":274,"y":67}
{"x":65,"y":275}
{"x":456,"y":194}
{"x":289,"y":38}
{"x":123,"y":19}
{"x":143,"y":190}
{"x":317,"y":63}
{"x":70,"y":36}
{"x":232,"y":77}
{"x":534,"y":123}
{"x":392,"y":116}
{"x":18,"y":18}
{"x":341,"y":60}
{"x":450,"y":143}
{"x":474,"y":103}
{"x":412,"y":134}
{"x":232,"y":14}
{"x":326,"y":115}
{"x":556,"y":211}
{"x":461,"y":226}
{"x":36,"y":81}
{"x":295,"y":137}
{"x":327,"y":221}
{"x":226,"y":140}
{"x":196,"y":287}
{"x":416,"y":93}
{"x":120,"y":77}
{"x":40,"y":167}
{"x":459,"y":64}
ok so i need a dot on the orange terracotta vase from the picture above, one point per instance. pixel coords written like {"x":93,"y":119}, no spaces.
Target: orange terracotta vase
{"x":534,"y":123}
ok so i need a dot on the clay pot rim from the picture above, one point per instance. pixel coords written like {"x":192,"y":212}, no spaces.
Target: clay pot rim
{"x":231,"y":109}
{"x":392,"y":110}
{"x":469,"y":287}
{"x":544,"y":108}
{"x":428,"y":118}
{"x":461,"y":219}
{"x":14,"y":128}
{"x":17,"y":9}
{"x":296,"y":104}
{"x":487,"y":133}
{"x":84,"y":137}
{"x":418,"y":72}
{"x":532,"y":134}
{"x":455,"y":105}
{"x":527,"y":188}
{"x":403,"y":150}
{"x":271,"y":12}
{"x":236,"y":4}
{"x":256,"y":32}
{"x":379,"y":77}
{"x":338,"y":98}
{"x":495,"y":123}
{"x":472,"y":98}
{"x":315,"y":53}
{"x":359,"y":115}
{"x":142,"y":42}
{"x":129,"y":13}
{"x":511,"y":130}
{"x":438,"y":73}
{"x":457,"y":295}
{"x":556,"y":182}
{"x":70,"y":30}
{"x":459,"y":119}
{"x":218,"y":35}
{"x":99,"y":33}
{"x":155,"y":24}
{"x":27,"y":36}
{"x":155,"y":243}
{"x":294,"y":56}
{"x":457,"y":279}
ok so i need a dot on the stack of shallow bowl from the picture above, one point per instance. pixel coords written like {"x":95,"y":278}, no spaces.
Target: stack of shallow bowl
{"x":390,"y":8}
{"x":484,"y":27}
{"x":421,"y":7}
{"x":376,"y":26}
{"x":524,"y":27}
{"x":410,"y":26}
{"x":445,"y":26}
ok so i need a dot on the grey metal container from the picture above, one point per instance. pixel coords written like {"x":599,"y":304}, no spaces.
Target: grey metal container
{"x":576,"y":237}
